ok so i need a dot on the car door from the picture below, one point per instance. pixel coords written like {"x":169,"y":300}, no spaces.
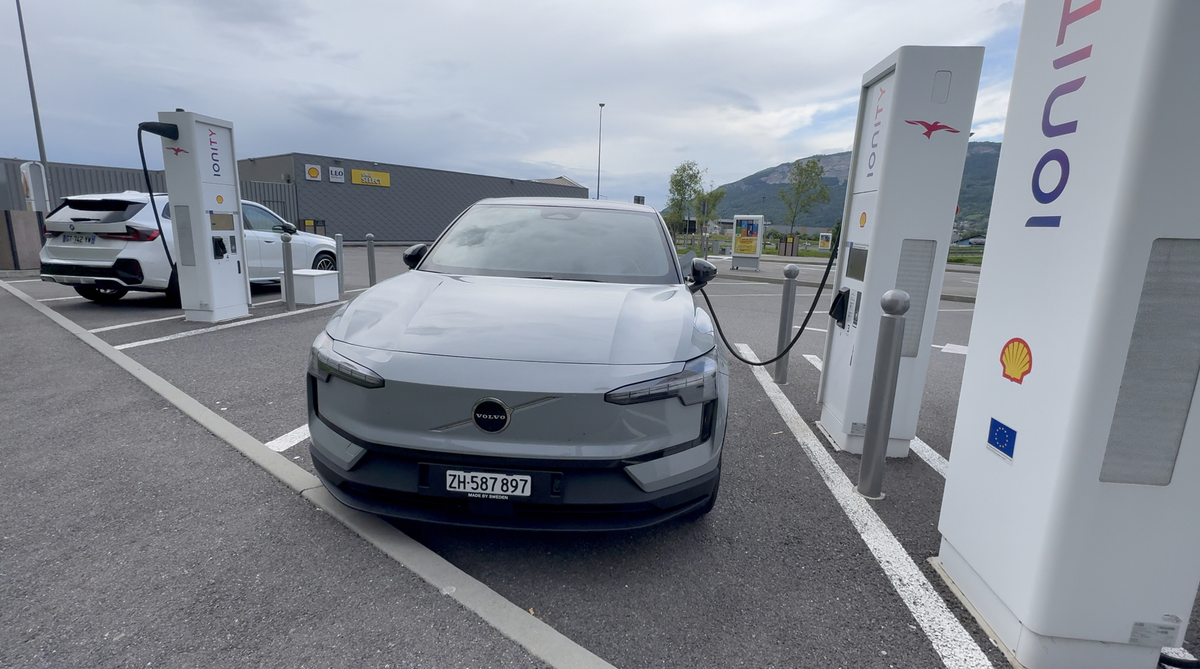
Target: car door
{"x":265,"y":255}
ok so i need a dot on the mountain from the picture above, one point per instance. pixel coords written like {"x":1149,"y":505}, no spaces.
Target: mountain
{"x":759,"y":192}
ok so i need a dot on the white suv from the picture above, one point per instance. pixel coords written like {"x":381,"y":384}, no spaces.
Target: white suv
{"x":107,"y":245}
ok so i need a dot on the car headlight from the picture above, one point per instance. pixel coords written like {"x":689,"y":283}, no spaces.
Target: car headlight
{"x":324,"y":363}
{"x":695,"y":384}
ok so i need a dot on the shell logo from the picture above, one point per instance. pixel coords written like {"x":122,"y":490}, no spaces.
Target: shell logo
{"x":313,"y":173}
{"x":862,"y":220}
{"x":220,"y":199}
{"x":1016,"y":359}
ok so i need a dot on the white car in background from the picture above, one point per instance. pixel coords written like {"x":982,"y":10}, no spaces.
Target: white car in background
{"x":107,"y":245}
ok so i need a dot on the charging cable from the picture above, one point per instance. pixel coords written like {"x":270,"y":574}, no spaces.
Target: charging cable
{"x":153,"y":205}
{"x":811,"y":309}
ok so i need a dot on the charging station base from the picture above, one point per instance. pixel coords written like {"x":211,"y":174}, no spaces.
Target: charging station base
{"x":1023,"y":647}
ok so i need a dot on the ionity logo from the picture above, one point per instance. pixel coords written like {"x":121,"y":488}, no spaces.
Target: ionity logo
{"x":178,"y":150}
{"x":931,"y":128}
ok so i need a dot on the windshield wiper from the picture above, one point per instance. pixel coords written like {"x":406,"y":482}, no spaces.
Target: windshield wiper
{"x":561,"y":278}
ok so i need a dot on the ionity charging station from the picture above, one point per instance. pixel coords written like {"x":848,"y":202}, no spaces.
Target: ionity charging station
{"x":914,"y":118}
{"x":747,"y":241}
{"x":1069,"y":513}
{"x":206,"y":215}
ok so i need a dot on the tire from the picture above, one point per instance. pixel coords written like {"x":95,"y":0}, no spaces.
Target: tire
{"x":101,"y":295}
{"x":325,"y":261}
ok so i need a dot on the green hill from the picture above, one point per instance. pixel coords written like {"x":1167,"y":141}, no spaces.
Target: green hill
{"x":759,"y":192}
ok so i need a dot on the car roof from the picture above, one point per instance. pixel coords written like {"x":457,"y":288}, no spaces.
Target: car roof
{"x":575,"y":202}
{"x":133,"y":196}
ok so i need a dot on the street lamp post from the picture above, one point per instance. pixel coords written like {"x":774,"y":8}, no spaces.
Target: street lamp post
{"x":599,"y":143}
{"x":37,"y":121}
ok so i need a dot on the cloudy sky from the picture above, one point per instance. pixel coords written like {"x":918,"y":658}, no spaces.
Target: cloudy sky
{"x":506,"y":88}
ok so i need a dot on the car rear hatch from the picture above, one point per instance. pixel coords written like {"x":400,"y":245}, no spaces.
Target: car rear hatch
{"x":91,"y":229}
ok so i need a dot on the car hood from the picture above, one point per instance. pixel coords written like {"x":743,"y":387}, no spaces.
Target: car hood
{"x":535,"y":320}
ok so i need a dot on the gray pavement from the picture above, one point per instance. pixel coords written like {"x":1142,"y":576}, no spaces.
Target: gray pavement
{"x":130,"y":536}
{"x":146,"y":527}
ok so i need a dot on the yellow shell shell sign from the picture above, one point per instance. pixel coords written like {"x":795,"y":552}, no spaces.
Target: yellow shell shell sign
{"x":1016,"y":359}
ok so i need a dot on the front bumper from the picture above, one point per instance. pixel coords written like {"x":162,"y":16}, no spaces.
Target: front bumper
{"x":567,"y":494}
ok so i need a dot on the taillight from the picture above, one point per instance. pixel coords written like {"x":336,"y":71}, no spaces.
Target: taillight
{"x":131,"y":234}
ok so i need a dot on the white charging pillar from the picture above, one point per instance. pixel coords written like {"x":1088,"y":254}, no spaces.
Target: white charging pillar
{"x":202,"y":183}
{"x":914,"y":118}
{"x":1069,"y":514}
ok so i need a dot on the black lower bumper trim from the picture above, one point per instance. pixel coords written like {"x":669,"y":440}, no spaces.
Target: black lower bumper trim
{"x":651,"y":509}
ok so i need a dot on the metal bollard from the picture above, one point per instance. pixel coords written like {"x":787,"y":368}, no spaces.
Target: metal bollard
{"x":883,"y":393}
{"x":289,"y":282}
{"x":786,"y":313}
{"x":341,"y":265}
{"x":371,"y":258}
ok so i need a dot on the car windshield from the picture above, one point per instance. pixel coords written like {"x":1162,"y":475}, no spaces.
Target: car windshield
{"x":556,"y":242}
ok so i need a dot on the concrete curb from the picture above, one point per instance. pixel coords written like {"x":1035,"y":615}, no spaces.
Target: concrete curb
{"x":540,"y":639}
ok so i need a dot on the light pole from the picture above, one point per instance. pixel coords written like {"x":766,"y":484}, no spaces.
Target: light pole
{"x":37,"y":120}
{"x":599,"y":143}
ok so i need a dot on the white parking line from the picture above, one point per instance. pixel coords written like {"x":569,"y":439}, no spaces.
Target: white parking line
{"x":281,"y":444}
{"x":59,"y":299}
{"x":135,"y":324}
{"x":24,"y":281}
{"x":950,"y":640}
{"x":225,"y":326}
{"x":797,"y":327}
{"x":816,"y":362}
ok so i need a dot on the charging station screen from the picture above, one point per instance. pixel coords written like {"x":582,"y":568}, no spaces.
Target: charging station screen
{"x":856,"y":263}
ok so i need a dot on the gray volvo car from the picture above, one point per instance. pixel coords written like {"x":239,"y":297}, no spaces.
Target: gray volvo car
{"x":542,"y":366}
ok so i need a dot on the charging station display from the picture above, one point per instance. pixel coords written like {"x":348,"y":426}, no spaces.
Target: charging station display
{"x":1075,"y":467}
{"x":915,"y":113}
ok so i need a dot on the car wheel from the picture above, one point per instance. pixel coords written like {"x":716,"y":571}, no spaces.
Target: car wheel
{"x":325,"y":261}
{"x":101,"y":295}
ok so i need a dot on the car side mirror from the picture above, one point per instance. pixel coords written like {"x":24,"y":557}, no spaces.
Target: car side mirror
{"x":287,"y":227}
{"x":702,"y":272}
{"x":414,"y":254}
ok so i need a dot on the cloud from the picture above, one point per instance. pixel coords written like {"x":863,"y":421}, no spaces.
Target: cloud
{"x":496,"y":88}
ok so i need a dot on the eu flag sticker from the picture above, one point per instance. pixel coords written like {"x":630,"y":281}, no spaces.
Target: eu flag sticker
{"x":1003,"y":438}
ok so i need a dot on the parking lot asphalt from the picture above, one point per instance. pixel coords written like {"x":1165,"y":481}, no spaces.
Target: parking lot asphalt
{"x":123,"y":516}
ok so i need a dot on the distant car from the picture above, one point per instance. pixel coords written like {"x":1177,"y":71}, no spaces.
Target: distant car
{"x":543,"y":366}
{"x":107,"y":245}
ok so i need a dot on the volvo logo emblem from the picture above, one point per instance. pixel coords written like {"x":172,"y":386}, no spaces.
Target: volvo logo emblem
{"x":491,"y":415}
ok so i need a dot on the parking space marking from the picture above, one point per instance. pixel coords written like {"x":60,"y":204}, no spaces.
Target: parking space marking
{"x":281,"y":444}
{"x":59,"y":299}
{"x":135,"y":324}
{"x":816,"y":362}
{"x":951,"y":348}
{"x":949,"y":638}
{"x":226,"y":326}
{"x":797,"y":327}
{"x":25,"y":281}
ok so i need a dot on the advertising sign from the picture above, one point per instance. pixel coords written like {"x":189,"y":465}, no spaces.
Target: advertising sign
{"x":826,"y":241}
{"x":747,"y":241}
{"x":337,"y":175}
{"x":312,"y":172}
{"x":365,"y":178}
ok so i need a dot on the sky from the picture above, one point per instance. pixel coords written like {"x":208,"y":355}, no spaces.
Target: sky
{"x":507,"y":89}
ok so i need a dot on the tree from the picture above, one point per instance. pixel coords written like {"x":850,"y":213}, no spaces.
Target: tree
{"x":804,"y":189}
{"x":712,"y":199}
{"x":685,"y":184}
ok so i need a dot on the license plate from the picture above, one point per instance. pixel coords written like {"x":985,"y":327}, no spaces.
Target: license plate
{"x":77,"y":238}
{"x":488,"y":485}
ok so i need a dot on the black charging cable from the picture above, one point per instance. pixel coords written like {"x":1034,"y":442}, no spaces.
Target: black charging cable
{"x":811,"y":309}
{"x":150,"y":190}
